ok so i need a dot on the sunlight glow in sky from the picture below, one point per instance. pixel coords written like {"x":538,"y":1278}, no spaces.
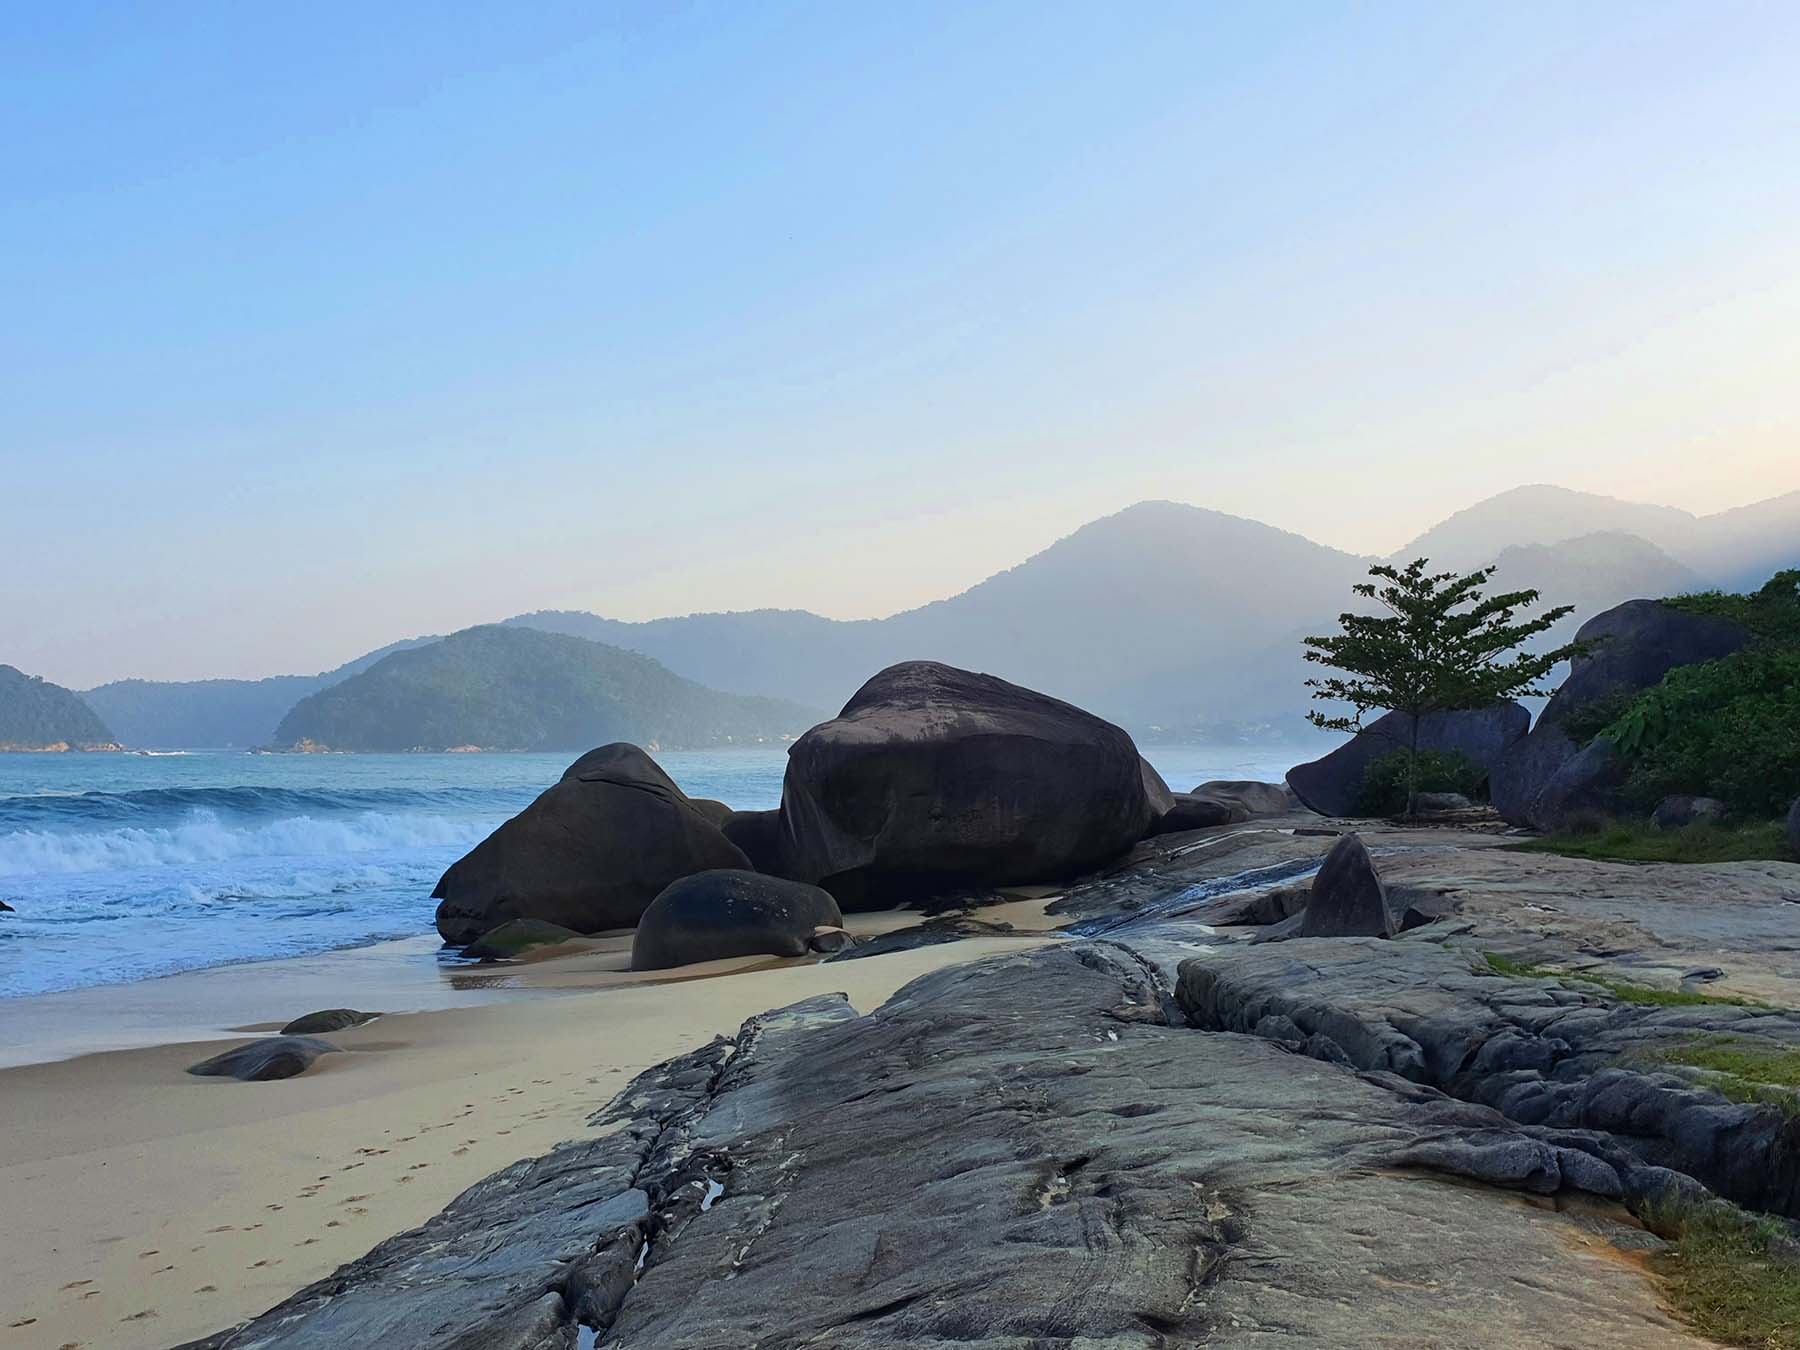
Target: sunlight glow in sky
{"x":332,"y":324}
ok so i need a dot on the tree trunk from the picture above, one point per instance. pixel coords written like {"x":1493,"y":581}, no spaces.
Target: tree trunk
{"x":1412,"y":770}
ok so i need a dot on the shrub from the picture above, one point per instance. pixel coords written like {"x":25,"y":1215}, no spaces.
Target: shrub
{"x":1383,"y":790}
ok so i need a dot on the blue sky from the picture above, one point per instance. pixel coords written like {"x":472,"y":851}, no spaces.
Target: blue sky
{"x":332,"y":324}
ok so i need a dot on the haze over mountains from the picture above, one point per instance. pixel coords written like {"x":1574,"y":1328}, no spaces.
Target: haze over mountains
{"x":1174,"y":620}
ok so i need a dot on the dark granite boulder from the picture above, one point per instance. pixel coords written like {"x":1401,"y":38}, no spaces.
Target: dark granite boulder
{"x":1584,"y":788}
{"x":1190,"y":811}
{"x":934,"y":778}
{"x":1155,"y":789}
{"x":516,"y":937}
{"x":262,"y":1061}
{"x":1259,"y":799}
{"x":1635,"y":645}
{"x":1678,"y":812}
{"x":1331,"y":785}
{"x":590,"y":854}
{"x":758,"y":834}
{"x":1348,"y":899}
{"x":328,"y":1019}
{"x":715,"y":811}
{"x":713,"y":915}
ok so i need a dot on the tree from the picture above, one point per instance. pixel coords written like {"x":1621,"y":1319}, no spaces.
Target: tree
{"x":1443,"y":645}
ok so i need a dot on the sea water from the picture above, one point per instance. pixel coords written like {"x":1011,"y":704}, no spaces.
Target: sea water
{"x":122,"y":867}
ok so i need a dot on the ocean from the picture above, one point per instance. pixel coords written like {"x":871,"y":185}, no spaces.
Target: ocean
{"x":124,"y":867}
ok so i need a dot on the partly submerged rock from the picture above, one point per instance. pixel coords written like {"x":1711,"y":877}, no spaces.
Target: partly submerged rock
{"x":1678,"y":812}
{"x":6,"y":908}
{"x":713,"y":915}
{"x":1332,"y":785}
{"x":262,"y":1061}
{"x":934,"y":778}
{"x":327,"y":1019}
{"x":1634,"y":645}
{"x":1348,"y":899}
{"x":516,"y":937}
{"x":590,"y":854}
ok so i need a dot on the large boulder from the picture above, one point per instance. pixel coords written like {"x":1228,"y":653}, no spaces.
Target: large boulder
{"x":1348,"y":899}
{"x":1680,"y":811}
{"x":1259,"y":799}
{"x":590,"y":854}
{"x":1331,"y":785}
{"x":934,"y":778}
{"x":713,"y":915}
{"x":1585,"y":787}
{"x":327,"y":1019}
{"x":758,"y":834}
{"x":1634,"y":645}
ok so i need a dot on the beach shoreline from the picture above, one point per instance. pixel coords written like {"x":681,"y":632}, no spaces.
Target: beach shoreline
{"x":149,"y":1207}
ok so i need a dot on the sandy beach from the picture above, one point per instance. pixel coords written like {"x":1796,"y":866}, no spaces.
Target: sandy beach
{"x":145,"y":1207}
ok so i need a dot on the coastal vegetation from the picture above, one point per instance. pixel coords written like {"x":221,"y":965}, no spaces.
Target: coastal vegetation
{"x":1637,"y":840}
{"x":1443,"y":645}
{"x":498,"y":688}
{"x":38,"y":715}
{"x":1386,"y":780}
{"x":1730,"y":1275}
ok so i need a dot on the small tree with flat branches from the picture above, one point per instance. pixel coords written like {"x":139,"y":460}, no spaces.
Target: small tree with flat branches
{"x":1442,"y":645}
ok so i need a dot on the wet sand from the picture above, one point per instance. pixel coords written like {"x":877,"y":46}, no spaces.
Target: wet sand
{"x":145,"y":1207}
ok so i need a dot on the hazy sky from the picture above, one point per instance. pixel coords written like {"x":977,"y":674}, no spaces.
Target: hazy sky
{"x":329,"y":324}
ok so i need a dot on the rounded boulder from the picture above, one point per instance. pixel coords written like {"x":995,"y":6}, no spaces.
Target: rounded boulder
{"x":730,"y":912}
{"x":589,"y":854}
{"x":933,"y":779}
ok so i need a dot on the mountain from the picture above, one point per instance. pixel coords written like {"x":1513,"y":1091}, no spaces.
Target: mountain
{"x":1157,"y":617}
{"x":500,"y":688}
{"x":215,"y":714}
{"x":1742,"y":548}
{"x":38,"y":715}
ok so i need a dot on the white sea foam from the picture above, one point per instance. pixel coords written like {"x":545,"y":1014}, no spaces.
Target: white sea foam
{"x":203,"y":837}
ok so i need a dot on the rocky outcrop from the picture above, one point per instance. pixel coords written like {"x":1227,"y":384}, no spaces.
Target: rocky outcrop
{"x":1332,"y":785}
{"x":590,"y":854}
{"x":713,"y":915}
{"x":1347,"y":899}
{"x":1634,"y":645}
{"x":327,"y":1020}
{"x":262,"y":1061}
{"x":934,"y":778}
{"x":1156,"y":791}
{"x":948,"y":1171}
{"x":1544,"y":1053}
{"x":1259,"y":799}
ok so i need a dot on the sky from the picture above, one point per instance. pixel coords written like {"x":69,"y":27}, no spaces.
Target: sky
{"x":331,"y":324}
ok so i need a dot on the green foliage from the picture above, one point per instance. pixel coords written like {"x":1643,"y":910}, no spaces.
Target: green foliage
{"x":1743,"y":1071}
{"x":1443,"y":645}
{"x":1772,"y":614}
{"x":35,"y":713}
{"x":1640,"y":842}
{"x":503,"y":688}
{"x":1728,"y":729}
{"x":1623,"y":990}
{"x":1731,"y":1275}
{"x":1385,"y":781}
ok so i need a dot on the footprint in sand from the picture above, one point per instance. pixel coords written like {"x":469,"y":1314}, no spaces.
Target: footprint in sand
{"x":416,"y":1166}
{"x":22,"y":1322}
{"x":458,"y":1152}
{"x":271,"y":1206}
{"x":75,"y":1284}
{"x":207,"y":1289}
{"x":223,"y":1228}
{"x":402,"y":1181}
{"x":359,"y":1212}
{"x":266,"y":1261}
{"x":92,"y":1293}
{"x":334,"y":1224}
{"x":352,"y":1199}
{"x":138,"y":1316}
{"x":151,"y":1252}
{"x":309,"y":1242}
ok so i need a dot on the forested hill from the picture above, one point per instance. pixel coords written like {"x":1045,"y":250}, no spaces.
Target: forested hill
{"x":499,"y":688}
{"x":35,"y":715}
